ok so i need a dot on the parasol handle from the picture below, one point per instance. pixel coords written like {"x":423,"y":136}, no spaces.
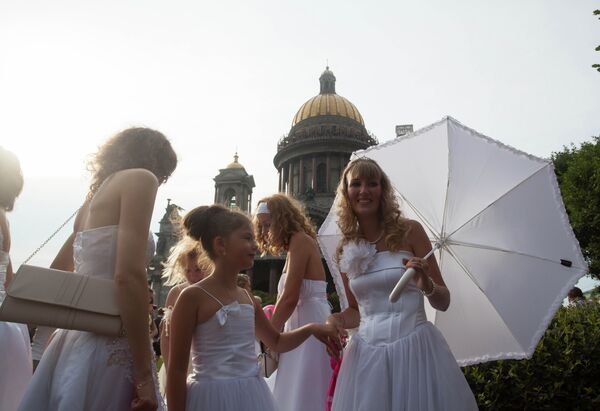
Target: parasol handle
{"x":406,"y":277}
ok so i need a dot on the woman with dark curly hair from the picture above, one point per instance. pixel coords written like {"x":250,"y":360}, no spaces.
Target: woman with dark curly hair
{"x":396,"y":360}
{"x":111,"y":239}
{"x":15,"y":352}
{"x":303,"y":375}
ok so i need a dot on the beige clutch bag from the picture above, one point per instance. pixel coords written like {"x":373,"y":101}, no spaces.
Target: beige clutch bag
{"x":62,"y":299}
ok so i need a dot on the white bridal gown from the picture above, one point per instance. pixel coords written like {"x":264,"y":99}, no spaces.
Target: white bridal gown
{"x":15,"y":352}
{"x":397,"y":360}
{"x":303,"y":374}
{"x":82,"y":371}
{"x":225,"y":369}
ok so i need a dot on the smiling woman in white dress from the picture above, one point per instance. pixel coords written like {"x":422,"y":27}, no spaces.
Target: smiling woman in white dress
{"x":303,"y":375}
{"x":83,"y":371}
{"x":15,"y":352}
{"x":397,"y":360}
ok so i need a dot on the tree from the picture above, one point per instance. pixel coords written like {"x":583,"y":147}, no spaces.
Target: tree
{"x":578,"y":173}
{"x":597,"y":66}
{"x":561,"y":375}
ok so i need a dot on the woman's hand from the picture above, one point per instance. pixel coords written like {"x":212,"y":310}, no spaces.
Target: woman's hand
{"x":329,"y":335}
{"x":333,"y":342}
{"x":145,"y":397}
{"x":422,"y":279}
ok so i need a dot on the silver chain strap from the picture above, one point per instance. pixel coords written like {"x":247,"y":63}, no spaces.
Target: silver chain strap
{"x":51,"y":236}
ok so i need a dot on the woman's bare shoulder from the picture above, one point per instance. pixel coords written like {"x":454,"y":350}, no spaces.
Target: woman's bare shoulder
{"x":135,"y":175}
{"x":301,"y":239}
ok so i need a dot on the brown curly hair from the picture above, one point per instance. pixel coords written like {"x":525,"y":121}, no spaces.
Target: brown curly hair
{"x":396,"y":227}
{"x":136,"y":147}
{"x":11,"y":179}
{"x":287,"y":217}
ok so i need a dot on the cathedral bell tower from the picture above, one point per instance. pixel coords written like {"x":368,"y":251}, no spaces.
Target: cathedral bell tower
{"x":233,"y":187}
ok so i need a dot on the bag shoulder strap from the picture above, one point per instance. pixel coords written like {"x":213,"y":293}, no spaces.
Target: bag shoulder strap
{"x":37,"y":250}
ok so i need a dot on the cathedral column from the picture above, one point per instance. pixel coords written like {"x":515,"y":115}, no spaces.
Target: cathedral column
{"x":290,"y":179}
{"x":301,"y":187}
{"x":314,"y":173}
{"x":328,"y":173}
{"x":280,"y":182}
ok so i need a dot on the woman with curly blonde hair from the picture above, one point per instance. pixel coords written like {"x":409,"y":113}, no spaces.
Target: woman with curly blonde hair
{"x":397,"y":360}
{"x":303,"y":375}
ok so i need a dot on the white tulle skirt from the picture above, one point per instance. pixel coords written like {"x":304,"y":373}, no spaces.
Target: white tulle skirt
{"x":414,"y":373}
{"x":15,"y":364}
{"x":233,"y":394}
{"x":303,"y":374}
{"x":81,"y":371}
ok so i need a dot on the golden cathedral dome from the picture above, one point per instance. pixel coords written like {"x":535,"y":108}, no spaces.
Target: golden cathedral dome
{"x":328,"y":103}
{"x":235,"y":164}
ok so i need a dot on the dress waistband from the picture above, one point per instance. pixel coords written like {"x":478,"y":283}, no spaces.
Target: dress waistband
{"x":313,"y":298}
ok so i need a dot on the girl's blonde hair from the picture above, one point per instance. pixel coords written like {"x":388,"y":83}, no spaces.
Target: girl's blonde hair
{"x":176,"y":264}
{"x":287,"y":218}
{"x":396,"y":227}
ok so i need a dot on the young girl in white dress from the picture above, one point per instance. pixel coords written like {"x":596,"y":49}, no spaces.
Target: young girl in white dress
{"x":187,"y":264}
{"x":397,"y":360}
{"x":83,"y":371}
{"x":15,"y":351}
{"x":220,"y":320}
{"x":302,"y":377}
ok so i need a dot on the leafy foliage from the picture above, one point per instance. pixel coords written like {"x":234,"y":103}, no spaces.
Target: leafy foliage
{"x":597,"y":66}
{"x":563,"y":374}
{"x":578,"y":173}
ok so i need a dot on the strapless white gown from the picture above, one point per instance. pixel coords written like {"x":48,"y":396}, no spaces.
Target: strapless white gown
{"x":303,"y":374}
{"x":15,"y":352}
{"x":397,"y":360}
{"x":225,"y":368}
{"x":82,"y":371}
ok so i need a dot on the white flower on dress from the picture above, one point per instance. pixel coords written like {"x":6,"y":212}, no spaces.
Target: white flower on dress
{"x":356,"y":257}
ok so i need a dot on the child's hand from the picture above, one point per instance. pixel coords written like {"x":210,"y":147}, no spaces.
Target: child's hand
{"x":329,"y":334}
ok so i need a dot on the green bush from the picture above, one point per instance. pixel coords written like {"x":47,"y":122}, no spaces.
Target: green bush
{"x":563,"y":374}
{"x":334,"y":300}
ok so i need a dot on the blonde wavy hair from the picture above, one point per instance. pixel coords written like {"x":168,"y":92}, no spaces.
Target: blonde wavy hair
{"x":287,"y":217}
{"x":395,"y":225}
{"x":176,"y":265}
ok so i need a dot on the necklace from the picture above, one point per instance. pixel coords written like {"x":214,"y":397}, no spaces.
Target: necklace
{"x":378,"y":238}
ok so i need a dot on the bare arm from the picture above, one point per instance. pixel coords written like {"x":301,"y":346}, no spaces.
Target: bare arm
{"x":298,"y":256}
{"x":165,"y":325}
{"x":350,"y":317}
{"x":137,"y":197}
{"x":425,"y":269}
{"x":283,"y":342}
{"x":183,"y":324}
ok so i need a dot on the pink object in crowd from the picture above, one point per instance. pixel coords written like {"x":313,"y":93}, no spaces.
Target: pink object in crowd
{"x":269,"y":310}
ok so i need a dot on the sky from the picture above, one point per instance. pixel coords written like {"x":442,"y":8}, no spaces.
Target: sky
{"x":217,"y":77}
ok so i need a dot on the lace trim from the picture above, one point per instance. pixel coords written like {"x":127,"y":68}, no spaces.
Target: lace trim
{"x":119,"y":354}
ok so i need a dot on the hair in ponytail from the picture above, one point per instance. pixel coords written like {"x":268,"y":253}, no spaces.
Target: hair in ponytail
{"x":204,"y":223}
